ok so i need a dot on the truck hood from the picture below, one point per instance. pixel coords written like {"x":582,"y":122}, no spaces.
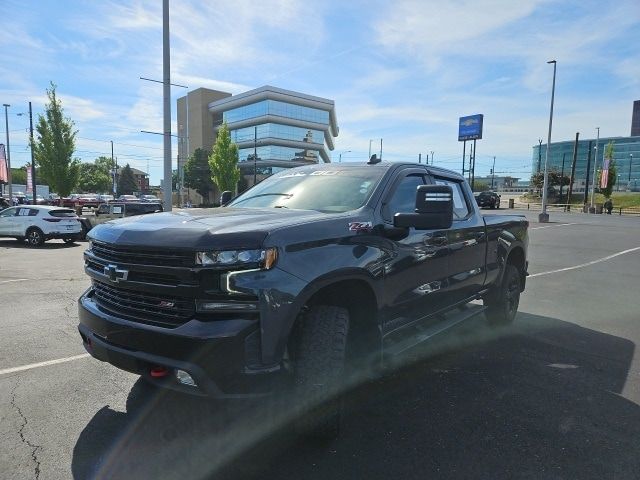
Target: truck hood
{"x":219,"y":228}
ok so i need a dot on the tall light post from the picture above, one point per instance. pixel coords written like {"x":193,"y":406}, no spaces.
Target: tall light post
{"x":340,"y":156}
{"x":166,"y":110}
{"x":431,"y":157}
{"x":6,"y":123}
{"x":544,"y":216}
{"x":595,"y":164}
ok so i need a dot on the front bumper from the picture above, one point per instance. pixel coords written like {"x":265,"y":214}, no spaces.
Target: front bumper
{"x":220,"y":355}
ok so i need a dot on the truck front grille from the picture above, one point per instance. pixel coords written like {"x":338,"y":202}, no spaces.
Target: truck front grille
{"x":117,"y":254}
{"x":142,"y":307}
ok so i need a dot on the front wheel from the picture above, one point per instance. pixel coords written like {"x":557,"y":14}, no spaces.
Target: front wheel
{"x":502,"y":304}
{"x":320,"y":355}
{"x":35,"y":237}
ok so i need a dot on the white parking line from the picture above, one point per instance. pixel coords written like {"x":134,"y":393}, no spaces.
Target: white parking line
{"x":582,"y":265}
{"x":549,"y":226}
{"x":43,"y":364}
{"x":14,"y":280}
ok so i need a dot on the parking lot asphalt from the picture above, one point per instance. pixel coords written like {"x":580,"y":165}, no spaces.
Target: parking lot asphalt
{"x":555,"y":396}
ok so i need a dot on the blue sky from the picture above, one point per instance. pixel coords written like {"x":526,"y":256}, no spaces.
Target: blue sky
{"x":403,"y":71}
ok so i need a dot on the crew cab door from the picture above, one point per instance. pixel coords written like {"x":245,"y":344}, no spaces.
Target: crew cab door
{"x":467,"y":243}
{"x":416,"y":267}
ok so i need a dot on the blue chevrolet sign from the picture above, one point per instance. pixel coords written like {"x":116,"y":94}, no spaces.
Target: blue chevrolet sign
{"x":470,"y":128}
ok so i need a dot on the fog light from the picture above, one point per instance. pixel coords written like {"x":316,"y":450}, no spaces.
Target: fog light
{"x":184,"y":378}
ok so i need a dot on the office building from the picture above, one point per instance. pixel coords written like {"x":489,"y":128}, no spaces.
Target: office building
{"x":282,"y":128}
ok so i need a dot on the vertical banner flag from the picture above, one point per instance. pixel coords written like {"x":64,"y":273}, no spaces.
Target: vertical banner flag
{"x":4,"y":174}
{"x":29,"y":180}
{"x":604,"y":177}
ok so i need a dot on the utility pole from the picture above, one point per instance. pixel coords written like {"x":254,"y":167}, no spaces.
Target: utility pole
{"x":33,"y":160}
{"x":370,"y":148}
{"x":573,"y":172}
{"x":586,"y":180}
{"x":493,"y":171}
{"x":593,"y":180}
{"x":431,"y":157}
{"x":539,"y":154}
{"x":113,"y":170}
{"x":166,"y":98}
{"x":473,"y":167}
{"x":6,"y":123}
{"x":464,"y":154}
{"x":544,"y":216}
{"x":380,"y":149}
{"x":419,"y":158}
{"x":562,"y":174}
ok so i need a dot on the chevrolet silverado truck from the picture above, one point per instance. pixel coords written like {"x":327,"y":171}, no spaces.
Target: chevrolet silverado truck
{"x":301,"y":280}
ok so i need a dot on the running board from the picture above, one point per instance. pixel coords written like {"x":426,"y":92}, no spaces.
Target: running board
{"x":424,"y":333}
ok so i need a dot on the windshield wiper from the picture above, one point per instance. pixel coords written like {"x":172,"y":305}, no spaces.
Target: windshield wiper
{"x":288,"y":195}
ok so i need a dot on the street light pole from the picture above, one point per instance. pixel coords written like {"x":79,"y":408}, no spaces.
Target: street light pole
{"x":340,"y":156}
{"x":6,"y":123}
{"x":544,"y":216}
{"x":167,"y":190}
{"x":493,"y":171}
{"x":595,"y":164}
{"x":431,"y":157}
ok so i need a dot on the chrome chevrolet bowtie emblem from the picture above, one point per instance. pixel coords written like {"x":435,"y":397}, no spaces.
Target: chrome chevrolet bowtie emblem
{"x":115,"y":274}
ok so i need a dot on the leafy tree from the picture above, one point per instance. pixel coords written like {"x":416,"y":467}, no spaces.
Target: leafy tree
{"x":613,"y":174}
{"x":19,"y":176}
{"x":554,"y":179}
{"x":127,"y":182}
{"x":480,"y":186}
{"x":94,"y":178}
{"x":223,"y":161}
{"x":54,"y":146}
{"x":197,"y":173}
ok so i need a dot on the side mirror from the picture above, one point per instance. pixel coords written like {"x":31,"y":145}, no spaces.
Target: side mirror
{"x":434,"y":209}
{"x":225,"y":197}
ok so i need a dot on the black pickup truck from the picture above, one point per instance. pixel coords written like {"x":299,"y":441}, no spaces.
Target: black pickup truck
{"x":303,"y":276}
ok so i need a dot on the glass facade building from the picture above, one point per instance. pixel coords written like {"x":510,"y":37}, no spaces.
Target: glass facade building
{"x":626,"y":156}
{"x":280,"y":128}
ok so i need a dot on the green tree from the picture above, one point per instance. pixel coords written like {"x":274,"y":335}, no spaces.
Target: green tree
{"x":54,"y":146}
{"x":127,"y":182}
{"x":19,"y":176}
{"x":480,"y":186}
{"x":197,"y":173}
{"x":94,"y":178}
{"x":554,"y":179}
{"x":223,"y":161}
{"x":613,"y":174}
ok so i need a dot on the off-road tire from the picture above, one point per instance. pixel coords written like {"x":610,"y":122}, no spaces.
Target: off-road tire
{"x":320,"y":357}
{"x":502,"y":304}
{"x":35,"y":237}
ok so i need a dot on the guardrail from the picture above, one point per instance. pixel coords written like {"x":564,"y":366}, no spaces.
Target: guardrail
{"x":576,"y":207}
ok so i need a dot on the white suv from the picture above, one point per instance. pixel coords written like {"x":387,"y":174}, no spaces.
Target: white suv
{"x":38,"y":223}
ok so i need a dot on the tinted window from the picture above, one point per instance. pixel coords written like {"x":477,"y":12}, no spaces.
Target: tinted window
{"x":62,"y":213}
{"x":27,"y":212}
{"x":460,"y":207}
{"x":403,"y":199}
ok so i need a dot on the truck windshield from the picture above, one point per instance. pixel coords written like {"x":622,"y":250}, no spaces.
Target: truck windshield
{"x":338,"y":190}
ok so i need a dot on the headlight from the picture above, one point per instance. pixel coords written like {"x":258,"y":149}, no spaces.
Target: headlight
{"x":232,"y":258}
{"x":90,"y":246}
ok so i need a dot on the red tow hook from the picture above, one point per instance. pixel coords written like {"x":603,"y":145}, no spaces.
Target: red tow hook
{"x":159,"y":372}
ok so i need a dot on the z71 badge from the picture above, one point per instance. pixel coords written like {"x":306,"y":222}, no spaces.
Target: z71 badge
{"x":360,"y":226}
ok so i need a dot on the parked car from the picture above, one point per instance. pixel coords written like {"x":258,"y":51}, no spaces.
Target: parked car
{"x":40,"y":200}
{"x":309,"y":264}
{"x":89,"y":201}
{"x":488,"y":199}
{"x":149,"y":198}
{"x":19,"y":198}
{"x":105,"y":198}
{"x":114,"y":210}
{"x":128,"y":198}
{"x":37,"y":223}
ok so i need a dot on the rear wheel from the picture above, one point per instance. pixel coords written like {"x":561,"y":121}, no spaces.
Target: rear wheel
{"x":502,"y":304}
{"x":320,"y":355}
{"x":35,"y":237}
